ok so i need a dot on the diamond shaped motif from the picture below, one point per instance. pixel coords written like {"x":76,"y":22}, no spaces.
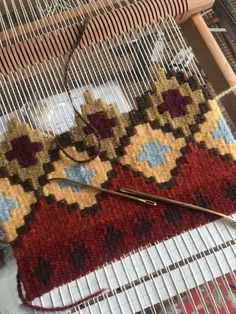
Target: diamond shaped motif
{"x":176,"y":106}
{"x":101,"y":123}
{"x":231,"y":191}
{"x":215,"y":133}
{"x":24,"y":155}
{"x":43,"y":272}
{"x":96,"y":172}
{"x":154,"y":153}
{"x":113,"y":239}
{"x":24,"y":151}
{"x":6,"y":206}
{"x":78,"y":173}
{"x":173,"y":214}
{"x":143,"y":227}
{"x":174,"y":103}
{"x":223,"y":132}
{"x":78,"y":256}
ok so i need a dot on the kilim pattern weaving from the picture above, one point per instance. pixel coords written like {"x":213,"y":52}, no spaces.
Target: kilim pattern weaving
{"x":176,"y":144}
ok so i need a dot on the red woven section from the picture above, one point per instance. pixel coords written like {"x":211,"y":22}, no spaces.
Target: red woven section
{"x":61,"y":245}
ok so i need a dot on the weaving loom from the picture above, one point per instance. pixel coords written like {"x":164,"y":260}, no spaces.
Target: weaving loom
{"x":139,"y":110}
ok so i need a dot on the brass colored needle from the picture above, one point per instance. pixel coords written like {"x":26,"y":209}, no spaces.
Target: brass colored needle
{"x":135,"y":198}
{"x":170,"y":201}
{"x":146,"y":198}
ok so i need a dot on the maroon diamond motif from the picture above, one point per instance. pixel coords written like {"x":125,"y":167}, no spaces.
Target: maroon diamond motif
{"x":43,"y":272}
{"x":174,"y":103}
{"x":24,"y":151}
{"x":101,"y":123}
{"x":113,"y":239}
{"x":231,"y":191}
{"x":79,"y":256}
{"x":143,"y":227}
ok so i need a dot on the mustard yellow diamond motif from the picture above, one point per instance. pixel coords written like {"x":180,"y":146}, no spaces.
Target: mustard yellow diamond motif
{"x":24,"y":152}
{"x":153,"y":152}
{"x":94,"y":173}
{"x":215,"y":133}
{"x":20,"y":207}
{"x":174,"y":104}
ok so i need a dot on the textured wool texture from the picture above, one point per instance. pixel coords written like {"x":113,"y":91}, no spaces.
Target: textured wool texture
{"x":176,"y":144}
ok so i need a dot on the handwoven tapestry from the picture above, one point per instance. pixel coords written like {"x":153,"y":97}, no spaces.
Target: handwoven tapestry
{"x":175,"y":144}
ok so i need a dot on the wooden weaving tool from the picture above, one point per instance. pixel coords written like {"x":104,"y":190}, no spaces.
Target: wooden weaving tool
{"x":124,"y":48}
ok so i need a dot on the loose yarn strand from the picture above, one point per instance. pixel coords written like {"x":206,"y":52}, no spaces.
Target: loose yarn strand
{"x":53,"y":309}
{"x":67,"y":88}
